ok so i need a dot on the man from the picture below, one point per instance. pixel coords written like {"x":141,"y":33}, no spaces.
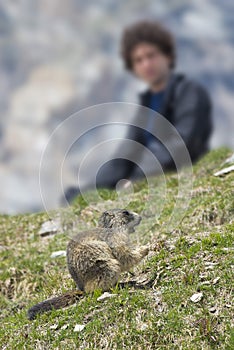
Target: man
{"x":148,"y":51}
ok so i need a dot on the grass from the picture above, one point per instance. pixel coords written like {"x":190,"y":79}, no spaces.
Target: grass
{"x":194,"y":256}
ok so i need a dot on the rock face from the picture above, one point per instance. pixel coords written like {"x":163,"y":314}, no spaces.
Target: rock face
{"x":56,"y":60}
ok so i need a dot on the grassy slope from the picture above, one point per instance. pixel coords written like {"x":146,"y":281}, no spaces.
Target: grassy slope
{"x":188,"y":260}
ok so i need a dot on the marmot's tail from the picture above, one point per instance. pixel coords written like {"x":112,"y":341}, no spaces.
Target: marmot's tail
{"x":59,"y":302}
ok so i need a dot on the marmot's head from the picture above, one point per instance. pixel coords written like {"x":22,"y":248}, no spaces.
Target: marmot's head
{"x":119,"y":219}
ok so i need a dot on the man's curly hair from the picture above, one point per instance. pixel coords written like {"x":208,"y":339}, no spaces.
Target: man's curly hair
{"x":149,"y":32}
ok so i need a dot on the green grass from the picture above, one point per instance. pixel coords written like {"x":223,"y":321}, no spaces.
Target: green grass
{"x":189,"y":259}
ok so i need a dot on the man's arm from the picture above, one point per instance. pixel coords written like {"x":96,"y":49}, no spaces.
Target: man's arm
{"x":127,"y":154}
{"x":192,"y":120}
{"x":192,"y":117}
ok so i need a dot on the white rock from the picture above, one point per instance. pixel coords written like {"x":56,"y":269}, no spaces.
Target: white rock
{"x":54,"y":326}
{"x":205,"y":283}
{"x":224,"y":171}
{"x":229,"y":160}
{"x":106,"y":295}
{"x":49,"y":227}
{"x":212,"y":309}
{"x":58,"y":254}
{"x":210,"y":263}
{"x":216,"y":280}
{"x":65,"y":326}
{"x":79,"y":327}
{"x":195,"y":298}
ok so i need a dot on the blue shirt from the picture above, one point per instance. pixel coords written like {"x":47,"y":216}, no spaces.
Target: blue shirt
{"x":156,"y":100}
{"x":155,"y":103}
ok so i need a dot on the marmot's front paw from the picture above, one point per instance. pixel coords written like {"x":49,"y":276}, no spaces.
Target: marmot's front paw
{"x":154,"y":246}
{"x":145,"y":249}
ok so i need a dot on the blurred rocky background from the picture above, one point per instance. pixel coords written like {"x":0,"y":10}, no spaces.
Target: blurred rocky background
{"x":57,"y":57}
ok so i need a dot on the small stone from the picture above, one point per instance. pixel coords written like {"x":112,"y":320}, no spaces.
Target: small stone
{"x":49,"y":228}
{"x":106,"y":295}
{"x":224,"y":171}
{"x":65,"y":326}
{"x":212,"y":309}
{"x":228,"y":249}
{"x":54,"y":326}
{"x":210,"y":263}
{"x":58,"y":254}
{"x":216,"y":280}
{"x":195,"y":298}
{"x":213,"y":338}
{"x":205,"y":283}
{"x":79,"y":327}
{"x":229,"y":159}
{"x":203,"y":276}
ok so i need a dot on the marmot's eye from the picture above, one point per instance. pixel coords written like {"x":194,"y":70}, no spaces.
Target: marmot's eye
{"x":125,"y":212}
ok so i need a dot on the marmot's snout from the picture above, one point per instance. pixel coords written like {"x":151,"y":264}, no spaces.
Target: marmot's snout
{"x":134,"y":220}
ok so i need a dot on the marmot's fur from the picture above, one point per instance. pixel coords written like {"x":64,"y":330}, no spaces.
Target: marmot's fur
{"x":96,"y":258}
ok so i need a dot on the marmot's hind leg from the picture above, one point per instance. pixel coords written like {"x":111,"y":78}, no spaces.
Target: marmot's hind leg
{"x":73,"y":272}
{"x":107,"y":276}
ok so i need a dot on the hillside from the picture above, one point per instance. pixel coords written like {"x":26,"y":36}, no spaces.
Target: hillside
{"x":155,"y":310}
{"x":58,"y":58}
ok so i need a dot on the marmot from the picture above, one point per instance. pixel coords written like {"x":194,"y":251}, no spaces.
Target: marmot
{"x":96,"y":258}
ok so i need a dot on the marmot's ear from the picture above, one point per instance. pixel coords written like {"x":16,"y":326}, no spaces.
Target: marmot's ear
{"x":104,"y":219}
